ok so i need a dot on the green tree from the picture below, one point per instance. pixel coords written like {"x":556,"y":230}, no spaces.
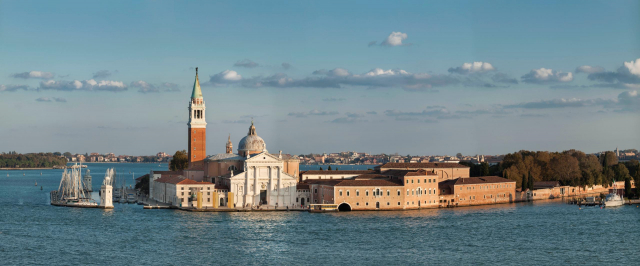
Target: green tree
{"x":627,"y":187}
{"x":179,"y":161}
{"x":484,"y":168}
{"x":329,"y":169}
{"x":320,"y":168}
{"x":524,"y":182}
{"x":67,"y":154}
{"x":609,"y":158}
{"x":459,"y":155}
{"x":143,"y":185}
{"x":530,"y":181}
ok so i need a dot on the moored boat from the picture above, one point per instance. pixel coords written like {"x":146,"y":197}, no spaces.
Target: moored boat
{"x":613,"y":199}
{"x":71,"y":192}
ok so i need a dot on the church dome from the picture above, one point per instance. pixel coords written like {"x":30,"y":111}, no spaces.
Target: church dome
{"x":252,"y":143}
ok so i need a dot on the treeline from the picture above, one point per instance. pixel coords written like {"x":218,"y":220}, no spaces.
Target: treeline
{"x":31,"y":160}
{"x":571,"y":168}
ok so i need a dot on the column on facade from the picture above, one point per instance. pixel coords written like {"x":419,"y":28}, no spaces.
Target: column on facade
{"x":256,"y":191}
{"x":280,"y":192}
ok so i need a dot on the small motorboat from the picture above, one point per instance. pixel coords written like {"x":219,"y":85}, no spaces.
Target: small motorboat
{"x":36,"y":183}
{"x":613,"y":199}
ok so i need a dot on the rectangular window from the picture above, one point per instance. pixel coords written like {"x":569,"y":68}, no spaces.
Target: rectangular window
{"x":315,"y":190}
{"x":388,"y":193}
{"x":347,"y":193}
{"x":340,"y":193}
{"x":357,"y":193}
{"x":366,"y":193}
{"x":182,"y":193}
{"x":418,"y":181}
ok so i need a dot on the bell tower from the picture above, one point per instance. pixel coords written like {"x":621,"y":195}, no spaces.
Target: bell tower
{"x":229,"y":145}
{"x":197,"y":126}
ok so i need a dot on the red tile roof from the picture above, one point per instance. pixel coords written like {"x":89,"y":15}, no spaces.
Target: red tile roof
{"x":368,"y":183}
{"x":170,"y":179}
{"x":371,"y":176}
{"x":192,"y":182}
{"x":338,"y":172}
{"x":420,"y":165}
{"x":179,"y":180}
{"x":481,"y":180}
{"x":546,"y":184}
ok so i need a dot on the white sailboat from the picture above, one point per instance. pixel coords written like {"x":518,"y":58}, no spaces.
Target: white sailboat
{"x":71,"y":191}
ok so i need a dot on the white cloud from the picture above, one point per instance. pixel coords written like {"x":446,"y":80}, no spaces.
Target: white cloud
{"x":394,"y":39}
{"x":633,"y":67}
{"x":589,"y":69}
{"x":34,"y":75}
{"x":246,"y":63}
{"x":390,"y":72}
{"x":545,"y":75}
{"x":313,"y":112}
{"x":12,"y":88}
{"x":626,"y":76}
{"x":103,"y":74}
{"x":475,"y":67}
{"x":47,"y":99}
{"x":338,"y":77}
{"x":562,"y":103}
{"x":225,"y":77}
{"x":87,"y":85}
{"x":629,"y":101}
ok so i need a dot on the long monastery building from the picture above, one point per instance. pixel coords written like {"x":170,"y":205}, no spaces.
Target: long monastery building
{"x":254,"y":178}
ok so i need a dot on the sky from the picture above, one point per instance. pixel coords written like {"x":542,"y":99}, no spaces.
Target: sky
{"x":412,"y":77}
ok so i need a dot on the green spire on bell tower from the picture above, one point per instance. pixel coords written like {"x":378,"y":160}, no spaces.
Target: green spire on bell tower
{"x":197,"y":92}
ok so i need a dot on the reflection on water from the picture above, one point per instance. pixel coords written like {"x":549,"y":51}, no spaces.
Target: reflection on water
{"x":539,"y":233}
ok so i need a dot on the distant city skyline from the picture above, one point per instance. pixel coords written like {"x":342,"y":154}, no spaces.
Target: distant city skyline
{"x":424,"y":78}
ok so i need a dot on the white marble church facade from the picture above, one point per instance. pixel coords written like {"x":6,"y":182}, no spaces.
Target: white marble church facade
{"x":263,"y":182}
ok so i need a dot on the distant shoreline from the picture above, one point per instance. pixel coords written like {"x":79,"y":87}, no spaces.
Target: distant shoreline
{"x":45,"y":168}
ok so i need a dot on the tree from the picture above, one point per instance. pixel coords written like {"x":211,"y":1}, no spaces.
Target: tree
{"x":565,"y":168}
{"x":609,"y":158}
{"x":336,"y":168}
{"x":459,"y":155}
{"x":524,"y":182}
{"x":67,"y":154}
{"x":627,"y":187}
{"x":320,"y":168}
{"x":530,"y":183}
{"x":180,"y":161}
{"x":484,"y":168}
{"x":143,"y":185}
{"x":329,"y":169}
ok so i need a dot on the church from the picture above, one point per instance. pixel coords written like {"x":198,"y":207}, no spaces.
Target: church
{"x":250,"y":178}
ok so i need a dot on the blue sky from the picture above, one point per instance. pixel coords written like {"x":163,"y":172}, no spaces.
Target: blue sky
{"x":369,"y":76}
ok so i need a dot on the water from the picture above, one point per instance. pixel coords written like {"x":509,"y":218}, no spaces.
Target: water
{"x":541,"y":233}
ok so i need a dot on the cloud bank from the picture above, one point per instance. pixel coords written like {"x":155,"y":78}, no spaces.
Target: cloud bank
{"x":34,"y":75}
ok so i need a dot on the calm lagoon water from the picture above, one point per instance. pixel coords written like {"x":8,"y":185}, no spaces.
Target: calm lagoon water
{"x":542,"y":233}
